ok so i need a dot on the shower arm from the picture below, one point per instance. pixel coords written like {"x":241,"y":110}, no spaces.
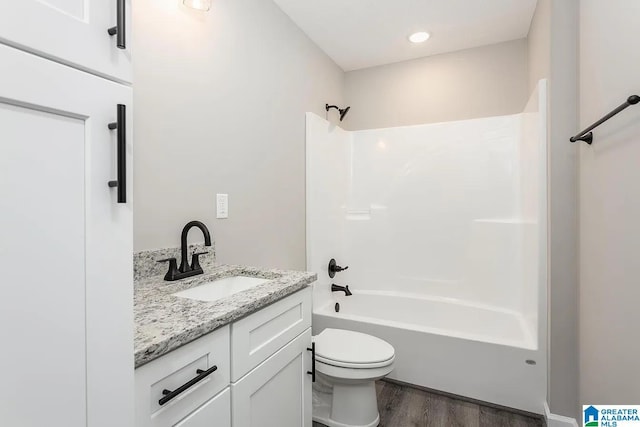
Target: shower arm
{"x":342,"y":111}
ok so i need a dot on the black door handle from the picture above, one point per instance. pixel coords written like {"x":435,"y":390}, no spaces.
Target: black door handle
{"x":119,"y":29}
{"x":121,"y":126}
{"x":312,"y":372}
{"x":170,"y":394}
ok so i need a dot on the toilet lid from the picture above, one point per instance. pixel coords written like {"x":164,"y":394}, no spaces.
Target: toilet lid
{"x":340,"y":347}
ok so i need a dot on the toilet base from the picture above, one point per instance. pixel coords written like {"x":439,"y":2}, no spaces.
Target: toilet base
{"x":345,"y":404}
{"x":325,"y":420}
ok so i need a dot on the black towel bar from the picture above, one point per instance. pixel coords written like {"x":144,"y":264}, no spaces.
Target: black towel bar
{"x":587,"y":136}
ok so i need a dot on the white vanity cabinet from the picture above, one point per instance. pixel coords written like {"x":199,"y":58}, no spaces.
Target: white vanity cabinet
{"x":261,"y":379}
{"x":74,"y":32}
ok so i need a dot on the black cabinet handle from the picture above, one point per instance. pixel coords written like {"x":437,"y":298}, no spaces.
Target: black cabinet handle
{"x":169,"y":394}
{"x":121,"y":126}
{"x":119,"y":29}
{"x":312,"y":372}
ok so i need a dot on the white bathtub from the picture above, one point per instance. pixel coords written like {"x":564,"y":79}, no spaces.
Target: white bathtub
{"x":465,"y":349}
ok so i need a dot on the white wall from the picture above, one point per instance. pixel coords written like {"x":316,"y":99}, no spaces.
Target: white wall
{"x":539,"y":43}
{"x":219,"y":108}
{"x":553,"y":55}
{"x":609,"y":204}
{"x":479,"y":82}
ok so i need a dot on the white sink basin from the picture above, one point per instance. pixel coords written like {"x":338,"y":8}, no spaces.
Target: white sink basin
{"x":220,"y":288}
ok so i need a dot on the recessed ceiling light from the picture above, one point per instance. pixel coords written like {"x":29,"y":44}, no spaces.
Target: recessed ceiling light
{"x":419,"y":37}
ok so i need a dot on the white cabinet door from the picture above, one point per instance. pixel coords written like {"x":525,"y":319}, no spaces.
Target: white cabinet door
{"x":66,"y":315}
{"x":214,"y":413}
{"x":69,"y":31}
{"x":277,"y":393}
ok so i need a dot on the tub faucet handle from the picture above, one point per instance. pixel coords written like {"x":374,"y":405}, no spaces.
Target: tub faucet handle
{"x":335,"y":268}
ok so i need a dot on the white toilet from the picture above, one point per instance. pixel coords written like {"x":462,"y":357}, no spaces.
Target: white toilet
{"x":347,"y":365}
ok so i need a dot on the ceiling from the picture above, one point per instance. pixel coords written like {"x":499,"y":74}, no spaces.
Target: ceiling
{"x":365,"y":33}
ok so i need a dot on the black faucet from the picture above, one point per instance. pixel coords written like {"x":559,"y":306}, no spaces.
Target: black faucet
{"x":186,"y":270}
{"x":338,"y":288}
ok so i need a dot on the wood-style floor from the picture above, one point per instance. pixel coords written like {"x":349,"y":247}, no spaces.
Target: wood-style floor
{"x":402,"y":406}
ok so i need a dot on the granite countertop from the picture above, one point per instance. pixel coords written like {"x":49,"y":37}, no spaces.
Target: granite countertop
{"x":164,"y":322}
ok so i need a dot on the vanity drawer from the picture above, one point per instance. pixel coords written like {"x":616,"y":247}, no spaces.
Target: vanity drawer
{"x":181,"y":369}
{"x":216,"y":412}
{"x":261,"y":334}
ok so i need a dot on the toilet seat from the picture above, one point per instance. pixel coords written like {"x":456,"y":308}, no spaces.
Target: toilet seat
{"x":353,"y":350}
{"x":355,"y":365}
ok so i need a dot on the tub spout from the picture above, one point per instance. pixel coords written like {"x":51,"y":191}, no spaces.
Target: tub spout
{"x":338,"y":288}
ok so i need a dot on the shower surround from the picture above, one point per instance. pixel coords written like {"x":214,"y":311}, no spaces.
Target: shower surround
{"x":444,"y":229}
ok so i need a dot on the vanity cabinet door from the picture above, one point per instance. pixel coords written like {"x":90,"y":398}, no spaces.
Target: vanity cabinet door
{"x":214,"y":413}
{"x":73,"y":32}
{"x":66,"y":311}
{"x":278,"y":391}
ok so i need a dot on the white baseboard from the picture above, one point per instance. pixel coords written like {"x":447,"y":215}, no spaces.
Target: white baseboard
{"x":554,"y":420}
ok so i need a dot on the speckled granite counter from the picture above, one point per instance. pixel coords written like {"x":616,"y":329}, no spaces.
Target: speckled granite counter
{"x":164,"y":322}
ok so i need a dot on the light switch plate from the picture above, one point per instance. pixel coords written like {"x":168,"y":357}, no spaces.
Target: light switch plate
{"x":222,"y":206}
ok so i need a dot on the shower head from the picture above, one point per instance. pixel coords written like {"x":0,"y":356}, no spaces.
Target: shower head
{"x":343,"y":111}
